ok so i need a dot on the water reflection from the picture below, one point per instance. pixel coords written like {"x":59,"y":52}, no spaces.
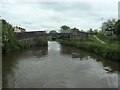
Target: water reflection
{"x":58,"y":66}
{"x":13,"y":62}
{"x":109,"y":65}
{"x":0,"y":68}
{"x":75,"y":53}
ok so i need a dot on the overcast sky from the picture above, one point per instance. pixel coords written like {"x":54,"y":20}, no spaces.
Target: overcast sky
{"x":43,"y":15}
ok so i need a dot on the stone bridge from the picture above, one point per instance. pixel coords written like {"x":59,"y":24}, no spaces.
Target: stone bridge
{"x":68,"y":36}
{"x":32,"y":38}
{"x":38,"y":37}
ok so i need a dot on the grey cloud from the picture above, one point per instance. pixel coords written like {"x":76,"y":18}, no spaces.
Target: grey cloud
{"x":52,"y":15}
{"x":66,"y":6}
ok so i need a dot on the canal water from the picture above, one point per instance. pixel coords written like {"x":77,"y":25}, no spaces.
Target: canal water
{"x":0,"y":68}
{"x":58,"y":66}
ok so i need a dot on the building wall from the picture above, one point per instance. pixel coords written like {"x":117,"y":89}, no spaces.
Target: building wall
{"x":16,"y":29}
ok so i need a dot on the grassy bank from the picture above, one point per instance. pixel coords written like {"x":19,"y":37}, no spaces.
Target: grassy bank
{"x":108,"y":39}
{"x":109,"y":51}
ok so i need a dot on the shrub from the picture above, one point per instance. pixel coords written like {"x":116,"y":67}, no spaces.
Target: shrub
{"x":104,"y":50}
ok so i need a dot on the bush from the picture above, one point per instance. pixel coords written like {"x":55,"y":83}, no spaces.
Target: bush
{"x":104,"y":50}
{"x":9,"y":42}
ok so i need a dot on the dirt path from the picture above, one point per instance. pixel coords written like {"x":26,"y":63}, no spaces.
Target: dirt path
{"x":99,"y":39}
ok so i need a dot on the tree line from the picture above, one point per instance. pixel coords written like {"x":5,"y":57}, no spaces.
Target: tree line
{"x":110,"y":27}
{"x":67,"y":29}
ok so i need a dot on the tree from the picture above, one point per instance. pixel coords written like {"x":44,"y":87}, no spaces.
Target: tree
{"x":90,"y":31}
{"x":65,"y":29}
{"x":74,"y":30}
{"x":117,"y":28}
{"x":108,"y":26}
{"x":52,"y":31}
{"x":95,"y":31}
{"x":9,"y":41}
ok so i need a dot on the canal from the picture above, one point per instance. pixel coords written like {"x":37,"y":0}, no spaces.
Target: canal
{"x":58,"y":66}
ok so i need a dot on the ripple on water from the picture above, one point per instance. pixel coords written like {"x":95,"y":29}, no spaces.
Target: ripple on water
{"x":57,"y":67}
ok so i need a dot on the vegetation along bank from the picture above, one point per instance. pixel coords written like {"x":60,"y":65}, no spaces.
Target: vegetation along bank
{"x":105,"y":42}
{"x":10,"y":41}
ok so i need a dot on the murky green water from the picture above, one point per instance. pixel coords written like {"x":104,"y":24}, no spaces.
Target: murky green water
{"x":58,"y":66}
{"x":0,"y":68}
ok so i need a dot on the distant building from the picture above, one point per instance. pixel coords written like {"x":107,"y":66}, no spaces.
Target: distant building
{"x":18,"y":29}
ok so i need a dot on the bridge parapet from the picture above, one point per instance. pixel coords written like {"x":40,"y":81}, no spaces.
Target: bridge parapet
{"x":32,"y":38}
{"x":69,"y":36}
